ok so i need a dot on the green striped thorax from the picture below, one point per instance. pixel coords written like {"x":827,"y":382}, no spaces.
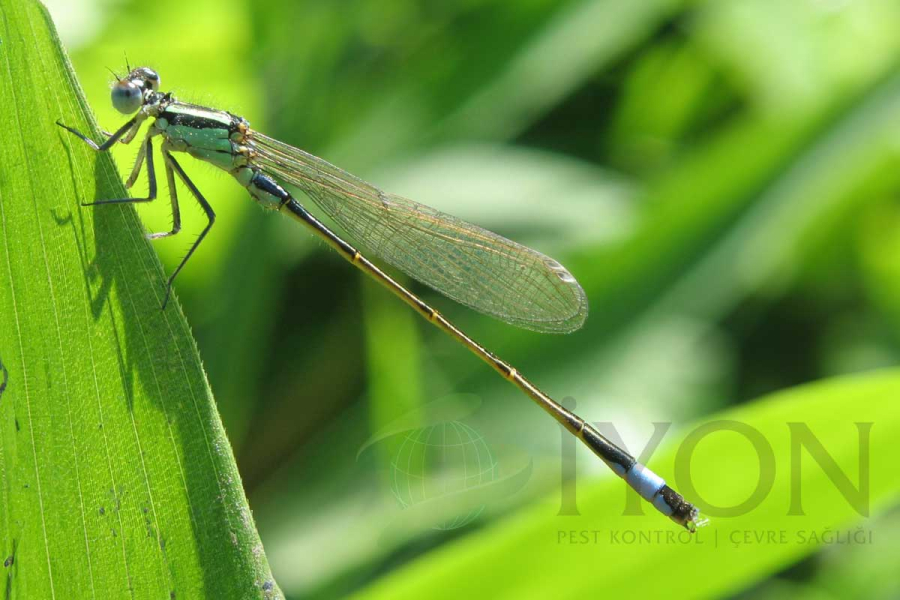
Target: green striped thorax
{"x":215,"y":136}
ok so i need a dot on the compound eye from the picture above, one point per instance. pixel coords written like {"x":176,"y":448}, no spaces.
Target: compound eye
{"x":127,"y":97}
{"x":150,"y":76}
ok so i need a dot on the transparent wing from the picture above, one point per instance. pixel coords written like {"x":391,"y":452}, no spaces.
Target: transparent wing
{"x":471,"y":265}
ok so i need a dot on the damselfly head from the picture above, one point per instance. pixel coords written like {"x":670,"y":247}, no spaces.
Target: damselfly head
{"x":128,"y":93}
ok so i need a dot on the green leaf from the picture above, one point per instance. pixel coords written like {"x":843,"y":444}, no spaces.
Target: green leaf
{"x":116,"y":478}
{"x":601,"y":551}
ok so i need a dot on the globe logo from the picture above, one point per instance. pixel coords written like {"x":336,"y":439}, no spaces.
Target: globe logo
{"x":443,"y":460}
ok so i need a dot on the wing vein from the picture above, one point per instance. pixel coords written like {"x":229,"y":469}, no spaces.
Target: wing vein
{"x":471,"y":265}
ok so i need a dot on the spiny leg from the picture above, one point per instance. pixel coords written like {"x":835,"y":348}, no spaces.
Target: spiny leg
{"x":146,"y":151}
{"x":138,"y":162}
{"x":129,"y":128}
{"x":210,"y":214}
{"x":176,"y":212}
{"x":108,"y":134}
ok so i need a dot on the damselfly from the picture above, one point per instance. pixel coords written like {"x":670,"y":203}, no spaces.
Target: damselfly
{"x":469,"y":264}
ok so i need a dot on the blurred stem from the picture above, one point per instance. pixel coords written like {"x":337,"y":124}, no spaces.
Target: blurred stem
{"x":392,"y":352}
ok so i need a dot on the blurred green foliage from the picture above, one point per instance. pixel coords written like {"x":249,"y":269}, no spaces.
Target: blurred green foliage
{"x":720,"y":176}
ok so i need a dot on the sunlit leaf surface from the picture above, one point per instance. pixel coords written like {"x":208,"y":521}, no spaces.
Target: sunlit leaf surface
{"x":116,"y":479}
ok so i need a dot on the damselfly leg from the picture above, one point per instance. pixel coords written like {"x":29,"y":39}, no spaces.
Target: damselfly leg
{"x":125,"y":135}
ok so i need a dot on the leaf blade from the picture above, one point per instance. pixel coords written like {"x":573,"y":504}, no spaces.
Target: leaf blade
{"x":116,"y":473}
